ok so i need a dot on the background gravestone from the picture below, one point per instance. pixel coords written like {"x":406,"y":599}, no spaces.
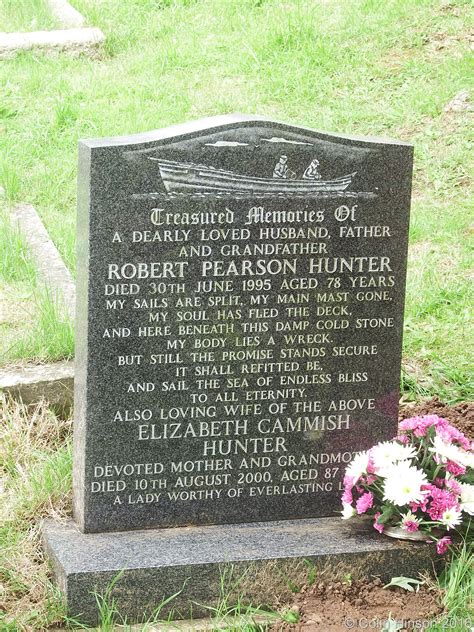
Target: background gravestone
{"x":239,"y":324}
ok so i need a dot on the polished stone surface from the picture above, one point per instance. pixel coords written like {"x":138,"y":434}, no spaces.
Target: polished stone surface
{"x":268,"y":557}
{"x":245,"y":399}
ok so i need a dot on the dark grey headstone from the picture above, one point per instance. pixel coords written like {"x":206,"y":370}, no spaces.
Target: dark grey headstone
{"x":239,"y":333}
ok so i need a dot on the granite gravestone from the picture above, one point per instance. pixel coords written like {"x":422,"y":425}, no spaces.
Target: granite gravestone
{"x":239,"y":321}
{"x":240,"y":309}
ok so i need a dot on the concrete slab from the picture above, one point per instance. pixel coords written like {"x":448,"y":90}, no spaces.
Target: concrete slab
{"x":67,"y":15}
{"x":53,"y":382}
{"x":76,"y":41}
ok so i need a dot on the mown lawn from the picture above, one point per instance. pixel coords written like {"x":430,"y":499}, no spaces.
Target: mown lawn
{"x":367,"y":67}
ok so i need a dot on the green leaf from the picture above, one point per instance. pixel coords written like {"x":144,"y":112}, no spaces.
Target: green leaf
{"x":405,"y":583}
{"x":387,"y":513}
{"x":291,"y":616}
{"x":347,"y":579}
{"x":468,"y":477}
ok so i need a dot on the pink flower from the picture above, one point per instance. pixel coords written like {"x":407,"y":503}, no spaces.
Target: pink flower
{"x":402,"y":439}
{"x":422,"y":504}
{"x":442,"y":545}
{"x":449,"y":434}
{"x":370,"y":479}
{"x":370,"y":465}
{"x":378,"y":527}
{"x":453,"y":486}
{"x":411,"y":525}
{"x":455,"y":469}
{"x":347,"y":496}
{"x":409,"y":424}
{"x":348,"y":481}
{"x":427,"y":422}
{"x":420,"y":425}
{"x":365,"y":502}
{"x":421,"y":430}
{"x":440,"y":501}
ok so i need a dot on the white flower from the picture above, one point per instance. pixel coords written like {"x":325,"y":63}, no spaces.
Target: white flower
{"x":387,"y":453}
{"x":451,"y":518}
{"x":467,"y":498}
{"x":451,"y":452}
{"x":358,"y":466}
{"x":347,"y":511}
{"x":403,"y":483}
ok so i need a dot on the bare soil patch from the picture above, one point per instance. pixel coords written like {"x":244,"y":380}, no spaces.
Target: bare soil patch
{"x":338,"y":607}
{"x":461,"y":415}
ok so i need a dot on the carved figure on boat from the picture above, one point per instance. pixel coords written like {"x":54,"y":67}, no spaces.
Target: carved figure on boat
{"x":282,"y":170}
{"x":312,"y":171}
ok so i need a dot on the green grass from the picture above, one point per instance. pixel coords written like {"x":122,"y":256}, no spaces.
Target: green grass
{"x":366,"y":67}
{"x":457,"y":584}
{"x":35,"y":469}
{"x":16,"y":265}
{"x":26,"y":15}
{"x":33,"y":321}
{"x":51,"y":334}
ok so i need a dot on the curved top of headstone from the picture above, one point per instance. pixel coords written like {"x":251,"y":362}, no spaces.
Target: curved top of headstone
{"x":221,"y":123}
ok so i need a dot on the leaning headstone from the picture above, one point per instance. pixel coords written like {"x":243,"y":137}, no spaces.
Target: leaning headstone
{"x":239,"y":325}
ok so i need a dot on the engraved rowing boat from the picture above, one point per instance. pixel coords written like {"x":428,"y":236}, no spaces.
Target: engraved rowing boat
{"x":191,"y":177}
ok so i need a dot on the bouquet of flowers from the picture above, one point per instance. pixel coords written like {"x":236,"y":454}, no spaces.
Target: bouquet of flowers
{"x":421,"y":481}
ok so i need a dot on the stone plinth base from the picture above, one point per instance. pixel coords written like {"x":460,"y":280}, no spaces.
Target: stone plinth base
{"x":260,"y":562}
